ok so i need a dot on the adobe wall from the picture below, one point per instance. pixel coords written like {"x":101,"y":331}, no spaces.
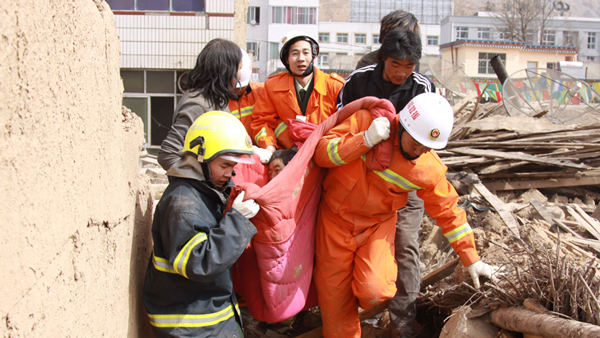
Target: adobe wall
{"x":75,"y":212}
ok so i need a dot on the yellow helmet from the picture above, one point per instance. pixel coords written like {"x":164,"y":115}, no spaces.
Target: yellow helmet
{"x":215,"y":134}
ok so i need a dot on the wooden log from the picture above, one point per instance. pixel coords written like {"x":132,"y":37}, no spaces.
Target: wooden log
{"x":544,"y":325}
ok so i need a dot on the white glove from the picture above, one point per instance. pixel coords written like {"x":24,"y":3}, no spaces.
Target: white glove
{"x":263,"y":154}
{"x":480,"y":268}
{"x":247,"y":208}
{"x":378,"y":131}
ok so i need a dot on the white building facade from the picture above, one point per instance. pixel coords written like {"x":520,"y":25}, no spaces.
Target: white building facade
{"x":344,"y":43}
{"x":160,"y":40}
{"x":268,"y":22}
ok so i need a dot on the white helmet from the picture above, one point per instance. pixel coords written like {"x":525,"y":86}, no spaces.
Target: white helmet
{"x":428,"y":118}
{"x":246,"y":70}
{"x":289,"y":39}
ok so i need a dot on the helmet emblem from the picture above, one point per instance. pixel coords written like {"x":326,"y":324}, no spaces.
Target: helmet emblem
{"x":434,"y":134}
{"x":248,"y":142}
{"x":284,"y":40}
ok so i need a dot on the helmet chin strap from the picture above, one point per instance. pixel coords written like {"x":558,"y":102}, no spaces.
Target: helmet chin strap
{"x":307,"y":72}
{"x":404,"y":153}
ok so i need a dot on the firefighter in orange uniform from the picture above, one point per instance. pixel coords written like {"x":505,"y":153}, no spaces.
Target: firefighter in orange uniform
{"x":304,"y":92}
{"x":248,"y":92}
{"x":357,"y":214}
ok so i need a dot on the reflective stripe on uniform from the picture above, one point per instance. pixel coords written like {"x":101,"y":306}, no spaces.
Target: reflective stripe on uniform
{"x":261,"y":133}
{"x":182,"y":258}
{"x":280,"y":128}
{"x":162,"y":264}
{"x":246,"y":111}
{"x":332,"y":151}
{"x":180,"y":320}
{"x":458,"y":233}
{"x":394,"y":178}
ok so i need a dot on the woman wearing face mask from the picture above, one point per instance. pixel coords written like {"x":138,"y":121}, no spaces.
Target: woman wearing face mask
{"x":209,"y":86}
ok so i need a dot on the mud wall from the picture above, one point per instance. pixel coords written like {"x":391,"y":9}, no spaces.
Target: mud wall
{"x":75,"y":212}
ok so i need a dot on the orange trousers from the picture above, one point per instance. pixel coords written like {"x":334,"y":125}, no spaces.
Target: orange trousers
{"x":354,"y":265}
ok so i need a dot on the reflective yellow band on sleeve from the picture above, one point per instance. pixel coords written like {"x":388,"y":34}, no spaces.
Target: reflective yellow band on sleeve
{"x":182,"y":258}
{"x":458,"y":233}
{"x":262,"y":133}
{"x":280,"y":128}
{"x":162,"y":264}
{"x":247,"y":111}
{"x":183,"y":320}
{"x":332,"y":151}
{"x":236,"y":113}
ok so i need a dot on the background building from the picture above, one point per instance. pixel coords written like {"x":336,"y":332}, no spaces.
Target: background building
{"x":473,"y":40}
{"x":159,"y":41}
{"x":268,"y":21}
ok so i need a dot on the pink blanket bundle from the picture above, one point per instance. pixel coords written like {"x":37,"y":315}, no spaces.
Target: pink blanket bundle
{"x":274,"y":274}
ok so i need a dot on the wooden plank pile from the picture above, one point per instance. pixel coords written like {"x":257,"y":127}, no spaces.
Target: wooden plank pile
{"x":522,"y":152}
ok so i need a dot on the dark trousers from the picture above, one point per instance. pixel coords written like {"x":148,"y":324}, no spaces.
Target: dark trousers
{"x":402,"y":307}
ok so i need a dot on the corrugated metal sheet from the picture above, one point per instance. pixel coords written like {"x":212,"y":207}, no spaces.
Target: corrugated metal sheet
{"x":219,"y":6}
{"x":167,"y":42}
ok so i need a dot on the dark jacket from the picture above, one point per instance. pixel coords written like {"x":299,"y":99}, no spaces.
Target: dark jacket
{"x":191,"y":106}
{"x":368,"y":81}
{"x":188,"y":291}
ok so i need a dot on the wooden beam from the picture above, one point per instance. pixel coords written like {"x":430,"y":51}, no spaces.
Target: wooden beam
{"x":440,"y":273}
{"x":505,"y":214}
{"x":538,"y":184}
{"x":518,"y":157}
{"x":583,"y":222}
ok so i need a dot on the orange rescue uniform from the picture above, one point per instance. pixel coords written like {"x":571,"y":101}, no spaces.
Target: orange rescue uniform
{"x":243,"y":108}
{"x":279,"y":102}
{"x":357,"y":222}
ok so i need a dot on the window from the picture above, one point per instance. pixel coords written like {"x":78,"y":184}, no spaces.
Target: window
{"x":571,"y":38}
{"x":294,"y":15}
{"x":341,"y":53}
{"x":376,"y":39}
{"x":551,"y":65}
{"x":591,"y":40}
{"x":483,"y":33}
{"x":462,"y":32}
{"x":157,"y":5}
{"x":432,"y":40}
{"x":484,"y":62}
{"x":324,"y":59}
{"x":530,"y":37}
{"x":152,"y":95}
{"x":253,"y":15}
{"x":502,"y":36}
{"x":590,"y":58}
{"x":360,"y":38}
{"x":324,"y":37}
{"x":342,"y":37}
{"x":253,"y":47}
{"x":273,"y":50}
{"x":532,"y":64}
{"x":548,"y":38}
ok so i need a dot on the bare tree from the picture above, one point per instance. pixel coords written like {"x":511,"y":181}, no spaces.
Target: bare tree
{"x":519,"y":20}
